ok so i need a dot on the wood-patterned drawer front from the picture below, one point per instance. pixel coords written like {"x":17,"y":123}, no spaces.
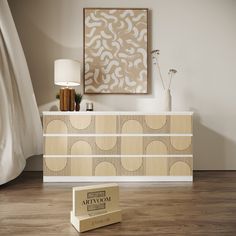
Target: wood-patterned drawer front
{"x":84,"y":124}
{"x":55,"y":124}
{"x":82,"y":145}
{"x":56,"y":145}
{"x":170,"y":166}
{"x":60,"y":124}
{"x":106,"y":124}
{"x":181,"y":124}
{"x":116,"y":145}
{"x":113,"y":166}
{"x":116,"y":124}
{"x":169,"y":145}
{"x":139,"y":124}
{"x":152,"y":124}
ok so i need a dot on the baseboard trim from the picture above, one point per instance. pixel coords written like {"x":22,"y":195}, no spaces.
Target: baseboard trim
{"x":117,"y":178}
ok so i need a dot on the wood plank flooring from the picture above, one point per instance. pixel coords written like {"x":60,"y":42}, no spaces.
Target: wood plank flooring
{"x":206,"y":207}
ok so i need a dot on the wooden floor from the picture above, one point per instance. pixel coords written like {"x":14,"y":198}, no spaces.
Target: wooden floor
{"x":206,"y":207}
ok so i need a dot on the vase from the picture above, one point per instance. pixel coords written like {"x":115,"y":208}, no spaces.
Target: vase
{"x":166,"y":100}
{"x":77,"y":106}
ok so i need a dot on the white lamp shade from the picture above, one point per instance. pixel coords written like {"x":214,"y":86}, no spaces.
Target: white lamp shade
{"x":66,"y":72}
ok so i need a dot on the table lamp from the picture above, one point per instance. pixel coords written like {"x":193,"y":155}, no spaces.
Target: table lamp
{"x":67,"y":74}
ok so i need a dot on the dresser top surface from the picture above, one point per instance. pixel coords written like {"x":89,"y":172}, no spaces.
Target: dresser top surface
{"x":116,"y":113}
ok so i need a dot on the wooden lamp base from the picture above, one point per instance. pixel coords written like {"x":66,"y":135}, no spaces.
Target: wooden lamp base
{"x":67,"y":99}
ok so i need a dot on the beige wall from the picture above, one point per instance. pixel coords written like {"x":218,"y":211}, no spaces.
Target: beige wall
{"x":197,"y":37}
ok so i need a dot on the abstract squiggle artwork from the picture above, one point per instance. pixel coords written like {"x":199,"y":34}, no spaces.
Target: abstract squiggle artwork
{"x":115,"y":50}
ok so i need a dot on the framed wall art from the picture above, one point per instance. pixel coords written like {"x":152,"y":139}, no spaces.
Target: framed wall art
{"x":115,"y":50}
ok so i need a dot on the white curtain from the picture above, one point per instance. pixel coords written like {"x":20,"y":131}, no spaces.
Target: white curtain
{"x":20,"y":126}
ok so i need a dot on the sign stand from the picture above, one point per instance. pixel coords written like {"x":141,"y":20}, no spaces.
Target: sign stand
{"x":95,"y":206}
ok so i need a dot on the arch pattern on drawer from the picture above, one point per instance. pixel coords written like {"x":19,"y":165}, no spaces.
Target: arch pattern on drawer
{"x":156,"y":148}
{"x":81,"y":147}
{"x":80,"y":122}
{"x":155,"y":122}
{"x":81,"y":166}
{"x":56,"y":164}
{"x":56,"y":146}
{"x":132,"y":126}
{"x":56,"y":126}
{"x":156,"y":165}
{"x":106,"y":124}
{"x":105,"y":167}
{"x":106,"y":143}
{"x":132,"y":146}
{"x":62,"y":170}
{"x":181,"y":143}
{"x":180,"y":168}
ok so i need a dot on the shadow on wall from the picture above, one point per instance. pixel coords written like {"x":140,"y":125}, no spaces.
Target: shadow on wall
{"x":44,"y":37}
{"x":41,"y":63}
{"x":210,"y":148}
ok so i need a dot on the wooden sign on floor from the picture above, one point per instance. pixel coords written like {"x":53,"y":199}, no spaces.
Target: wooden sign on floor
{"x":95,"y":206}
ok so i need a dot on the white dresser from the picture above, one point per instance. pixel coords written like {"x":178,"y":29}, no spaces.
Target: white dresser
{"x":117,"y":146}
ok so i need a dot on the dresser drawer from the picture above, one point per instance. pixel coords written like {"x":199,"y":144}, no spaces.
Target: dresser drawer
{"x":117,"y":145}
{"x":118,"y":124}
{"x":118,"y":166}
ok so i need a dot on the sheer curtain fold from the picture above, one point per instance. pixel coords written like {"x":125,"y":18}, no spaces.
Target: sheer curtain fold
{"x":20,"y":125}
